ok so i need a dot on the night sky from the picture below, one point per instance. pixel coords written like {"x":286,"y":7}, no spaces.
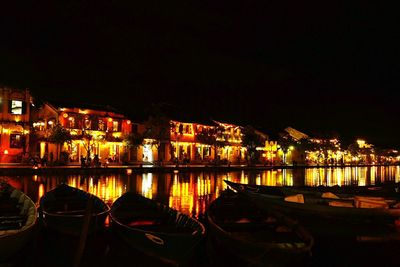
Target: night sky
{"x":323,"y":68}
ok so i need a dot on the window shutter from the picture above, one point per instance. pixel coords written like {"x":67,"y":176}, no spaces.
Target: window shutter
{"x":23,"y":107}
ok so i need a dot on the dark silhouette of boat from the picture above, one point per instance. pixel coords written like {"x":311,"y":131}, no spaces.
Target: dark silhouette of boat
{"x":64,"y":208}
{"x":18,"y":218}
{"x":155,"y":229}
{"x":325,"y":214}
{"x":254,"y":237}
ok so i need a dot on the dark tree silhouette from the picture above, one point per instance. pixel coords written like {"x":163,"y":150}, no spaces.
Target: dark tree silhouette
{"x":59,"y":135}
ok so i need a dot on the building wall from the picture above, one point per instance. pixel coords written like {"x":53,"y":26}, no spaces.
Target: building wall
{"x":14,"y":124}
{"x":94,"y":132}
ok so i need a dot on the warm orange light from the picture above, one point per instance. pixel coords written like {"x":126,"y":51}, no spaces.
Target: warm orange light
{"x":5,"y":152}
{"x":41,"y":190}
{"x":65,"y":115}
{"x":128,"y":122}
{"x":110,"y":119}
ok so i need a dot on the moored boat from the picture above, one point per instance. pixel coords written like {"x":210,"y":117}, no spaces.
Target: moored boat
{"x":328,"y":214}
{"x":18,"y":217}
{"x":64,"y":209}
{"x":387,"y":190}
{"x":156,"y":229}
{"x":252,"y":237}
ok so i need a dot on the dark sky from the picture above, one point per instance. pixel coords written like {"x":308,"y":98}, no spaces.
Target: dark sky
{"x":323,"y":68}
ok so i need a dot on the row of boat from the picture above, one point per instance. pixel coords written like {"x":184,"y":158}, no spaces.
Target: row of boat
{"x":256,"y":225}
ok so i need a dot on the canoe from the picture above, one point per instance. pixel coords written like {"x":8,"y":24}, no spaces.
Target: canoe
{"x":386,"y":190}
{"x":155,"y":229}
{"x":253,"y":237}
{"x":327,"y":214}
{"x":64,"y":208}
{"x":18,"y":217}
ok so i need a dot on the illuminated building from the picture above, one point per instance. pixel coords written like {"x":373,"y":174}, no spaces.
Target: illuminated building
{"x":185,"y":143}
{"x":15,"y":106}
{"x":231,"y":135}
{"x":94,"y":131}
{"x":308,"y":150}
{"x":270,"y":152}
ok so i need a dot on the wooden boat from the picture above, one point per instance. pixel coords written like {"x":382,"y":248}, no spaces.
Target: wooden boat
{"x":156,"y":229}
{"x":325,"y":213}
{"x":386,"y":190}
{"x":18,"y":217}
{"x":64,"y":208}
{"x":253,"y":237}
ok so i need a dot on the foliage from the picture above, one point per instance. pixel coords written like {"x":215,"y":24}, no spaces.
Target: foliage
{"x":212,"y":137}
{"x":133,"y":140}
{"x":64,"y":157}
{"x":251,"y":140}
{"x":285,"y":141}
{"x":158,"y":128}
{"x":59,"y":135}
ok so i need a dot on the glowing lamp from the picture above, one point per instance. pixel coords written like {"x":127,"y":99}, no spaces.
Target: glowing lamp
{"x":50,"y":122}
{"x":110,"y":119}
{"x":65,"y":115}
{"x":128,"y":122}
{"x":5,"y":152}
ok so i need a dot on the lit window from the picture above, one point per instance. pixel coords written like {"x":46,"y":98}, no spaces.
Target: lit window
{"x":101,"y":125}
{"x":71,"y":122}
{"x":16,"y":107}
{"x":115,"y":126}
{"x":16,"y":141}
{"x":88,"y":123}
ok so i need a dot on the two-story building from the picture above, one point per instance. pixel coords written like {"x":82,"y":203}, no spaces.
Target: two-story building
{"x":94,"y":130}
{"x":15,"y":107}
{"x":231,"y":135}
{"x":185,"y":143}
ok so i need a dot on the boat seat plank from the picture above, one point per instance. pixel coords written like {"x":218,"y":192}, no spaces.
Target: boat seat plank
{"x":71,"y":212}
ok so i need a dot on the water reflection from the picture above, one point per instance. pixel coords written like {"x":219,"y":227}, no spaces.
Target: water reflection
{"x":191,"y":192}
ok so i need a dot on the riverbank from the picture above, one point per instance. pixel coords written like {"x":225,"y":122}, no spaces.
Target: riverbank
{"x":18,"y":169}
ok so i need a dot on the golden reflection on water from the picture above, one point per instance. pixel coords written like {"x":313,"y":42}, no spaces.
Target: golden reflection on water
{"x":191,"y":192}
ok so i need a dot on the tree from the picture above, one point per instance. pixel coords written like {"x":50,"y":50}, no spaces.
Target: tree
{"x":213,"y":137}
{"x":87,"y":143}
{"x":133,"y":141}
{"x":59,"y":135}
{"x":158,"y":128}
{"x":251,"y":140}
{"x":286,"y":142}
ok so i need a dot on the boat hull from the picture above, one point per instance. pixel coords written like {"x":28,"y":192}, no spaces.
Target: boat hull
{"x":328,"y":221}
{"x":255,"y":241}
{"x":13,"y":241}
{"x":159,"y":241}
{"x":71,"y":222}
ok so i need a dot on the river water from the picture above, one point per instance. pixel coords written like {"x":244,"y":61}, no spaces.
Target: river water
{"x":191,"y":193}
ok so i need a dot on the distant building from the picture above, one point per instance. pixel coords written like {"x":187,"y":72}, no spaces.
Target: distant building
{"x":295,"y":134}
{"x":15,"y":107}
